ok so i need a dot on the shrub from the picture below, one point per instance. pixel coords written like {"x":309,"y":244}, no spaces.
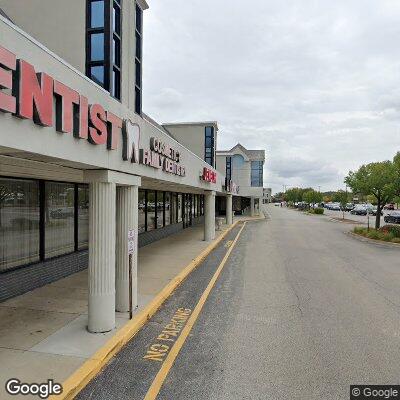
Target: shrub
{"x":387,"y":233}
{"x":372,"y":234}
{"x":319,"y":211}
{"x":360,"y":230}
{"x":391,"y":229}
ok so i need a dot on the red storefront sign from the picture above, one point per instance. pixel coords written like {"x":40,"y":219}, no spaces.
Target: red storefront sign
{"x":209,"y":175}
{"x":29,"y":95}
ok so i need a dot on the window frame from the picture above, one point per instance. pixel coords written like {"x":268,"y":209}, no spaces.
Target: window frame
{"x":228,"y":171}
{"x":209,"y":159}
{"x":109,"y":66}
{"x":138,"y":83}
{"x":42,"y":219}
{"x":258,"y":167}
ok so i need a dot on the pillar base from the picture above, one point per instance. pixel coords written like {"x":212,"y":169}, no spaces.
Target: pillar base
{"x":102,"y":314}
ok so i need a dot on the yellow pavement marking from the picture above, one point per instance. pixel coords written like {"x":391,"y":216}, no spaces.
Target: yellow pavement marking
{"x":169,"y":361}
{"x":228,"y":243}
{"x":84,"y":374}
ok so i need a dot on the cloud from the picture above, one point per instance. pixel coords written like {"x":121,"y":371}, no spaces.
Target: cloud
{"x":314,"y":83}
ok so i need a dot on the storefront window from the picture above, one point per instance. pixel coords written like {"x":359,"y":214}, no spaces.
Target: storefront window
{"x":151,"y":210}
{"x":142,"y":211}
{"x":160,"y":209}
{"x":168,"y":209}
{"x":83,"y":217}
{"x":180,"y":207}
{"x":59,"y":219}
{"x":19,"y":222}
{"x":193,"y":196}
{"x":194,"y":205}
{"x":198,"y":205}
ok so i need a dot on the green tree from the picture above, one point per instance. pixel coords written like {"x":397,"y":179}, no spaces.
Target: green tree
{"x":292,"y":195}
{"x":342,"y":197}
{"x":312,"y":197}
{"x":378,"y":179}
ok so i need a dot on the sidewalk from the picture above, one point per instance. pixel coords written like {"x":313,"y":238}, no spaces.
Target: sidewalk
{"x":43,"y":333}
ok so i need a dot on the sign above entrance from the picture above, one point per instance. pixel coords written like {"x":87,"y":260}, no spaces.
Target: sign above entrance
{"x":209,"y":175}
{"x":159,"y":155}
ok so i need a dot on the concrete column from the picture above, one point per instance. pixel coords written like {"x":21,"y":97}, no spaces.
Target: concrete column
{"x":209,"y":216}
{"x":260,"y":204}
{"x":252,"y":211}
{"x":101,"y":257}
{"x":127,"y":219}
{"x":229,"y":210}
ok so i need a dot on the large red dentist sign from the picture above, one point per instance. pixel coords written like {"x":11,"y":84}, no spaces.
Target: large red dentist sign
{"x":29,"y":95}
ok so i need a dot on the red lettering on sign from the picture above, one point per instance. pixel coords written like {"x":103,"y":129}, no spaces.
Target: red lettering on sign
{"x":35,"y":95}
{"x":8,"y":63}
{"x":209,"y":175}
{"x":98,"y":130}
{"x":83,"y":118}
{"x":66,"y":100}
{"x":114,"y":125}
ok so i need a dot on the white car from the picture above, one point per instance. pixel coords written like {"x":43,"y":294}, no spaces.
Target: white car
{"x":335,"y":207}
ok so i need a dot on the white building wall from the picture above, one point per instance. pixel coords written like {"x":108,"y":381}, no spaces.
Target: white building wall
{"x":61,"y":26}
{"x":25,"y":136}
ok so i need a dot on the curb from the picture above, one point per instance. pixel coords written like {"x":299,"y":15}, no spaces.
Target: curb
{"x":381,"y":243}
{"x":92,"y":366}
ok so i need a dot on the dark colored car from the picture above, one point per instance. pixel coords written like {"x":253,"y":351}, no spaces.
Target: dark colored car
{"x":393,"y":218}
{"x":389,"y":207}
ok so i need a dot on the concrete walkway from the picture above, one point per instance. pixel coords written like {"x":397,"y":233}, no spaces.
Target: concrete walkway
{"x":43,"y":333}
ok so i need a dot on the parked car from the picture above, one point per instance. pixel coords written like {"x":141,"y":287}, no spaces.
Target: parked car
{"x":389,"y":207}
{"x":349,"y":206}
{"x":61,"y":213}
{"x":393,"y":218}
{"x":374,"y":211}
{"x":362,"y":209}
{"x":335,"y":207}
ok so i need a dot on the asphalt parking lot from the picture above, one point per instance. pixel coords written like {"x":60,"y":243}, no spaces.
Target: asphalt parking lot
{"x":363,"y":219}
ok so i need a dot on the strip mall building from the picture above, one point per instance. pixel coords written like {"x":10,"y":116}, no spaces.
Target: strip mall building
{"x":82,"y":167}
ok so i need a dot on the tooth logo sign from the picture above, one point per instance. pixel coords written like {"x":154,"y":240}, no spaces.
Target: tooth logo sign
{"x":131,"y":136}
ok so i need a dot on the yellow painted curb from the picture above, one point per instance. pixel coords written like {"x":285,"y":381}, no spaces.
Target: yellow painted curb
{"x":84,"y":374}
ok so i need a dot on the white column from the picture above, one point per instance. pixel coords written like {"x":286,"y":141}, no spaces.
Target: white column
{"x":127,"y":219}
{"x":229,"y":210}
{"x":252,"y":211}
{"x":260,"y":204}
{"x":101,"y":257}
{"x":209,"y":216}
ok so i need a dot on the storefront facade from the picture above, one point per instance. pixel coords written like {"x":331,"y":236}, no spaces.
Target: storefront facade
{"x":243,"y":170}
{"x":79,"y":170}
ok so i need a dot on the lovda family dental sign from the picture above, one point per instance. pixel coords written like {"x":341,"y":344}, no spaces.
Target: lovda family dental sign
{"x":29,"y":95}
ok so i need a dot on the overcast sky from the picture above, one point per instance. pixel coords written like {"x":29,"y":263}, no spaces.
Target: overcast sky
{"x":314,"y":83}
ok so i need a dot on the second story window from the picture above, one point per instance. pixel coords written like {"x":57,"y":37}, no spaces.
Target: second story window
{"x":103,"y":44}
{"x":228,"y":171}
{"x":257,"y":173}
{"x":138,"y":59}
{"x":209,"y":145}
